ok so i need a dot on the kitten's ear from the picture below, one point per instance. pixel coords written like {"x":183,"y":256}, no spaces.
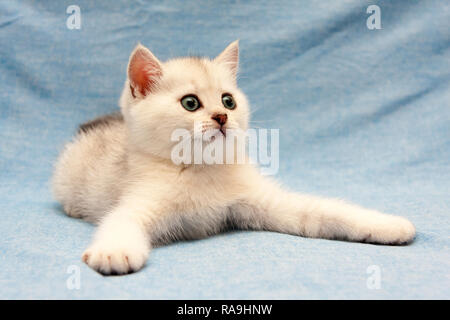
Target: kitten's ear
{"x":230,"y":57}
{"x":144,"y":71}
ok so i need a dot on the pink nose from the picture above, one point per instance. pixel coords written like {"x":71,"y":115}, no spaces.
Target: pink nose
{"x":220,"y":118}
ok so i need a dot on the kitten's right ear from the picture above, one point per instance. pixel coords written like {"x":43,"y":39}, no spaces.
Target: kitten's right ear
{"x":144,"y":71}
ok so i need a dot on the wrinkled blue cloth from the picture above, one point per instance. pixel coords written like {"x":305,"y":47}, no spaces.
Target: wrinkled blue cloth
{"x":363,"y":115}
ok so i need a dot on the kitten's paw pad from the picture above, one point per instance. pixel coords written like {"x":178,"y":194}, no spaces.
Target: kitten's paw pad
{"x":114,"y":260}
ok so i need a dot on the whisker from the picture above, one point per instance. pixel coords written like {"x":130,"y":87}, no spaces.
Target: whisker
{"x":268,"y":120}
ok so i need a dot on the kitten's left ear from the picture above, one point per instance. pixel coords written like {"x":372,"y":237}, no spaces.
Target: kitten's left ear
{"x":230,"y":57}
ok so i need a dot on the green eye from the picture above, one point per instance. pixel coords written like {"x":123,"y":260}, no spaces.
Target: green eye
{"x":190,"y":103}
{"x":228,"y":101}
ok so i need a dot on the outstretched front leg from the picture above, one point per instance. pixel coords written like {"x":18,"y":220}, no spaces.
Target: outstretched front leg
{"x":266,"y":206}
{"x":123,"y":239}
{"x":121,"y":244}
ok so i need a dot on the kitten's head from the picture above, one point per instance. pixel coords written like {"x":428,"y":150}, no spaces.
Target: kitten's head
{"x":160,"y":97}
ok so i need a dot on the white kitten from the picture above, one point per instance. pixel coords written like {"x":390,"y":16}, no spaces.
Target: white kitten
{"x":118,"y":172}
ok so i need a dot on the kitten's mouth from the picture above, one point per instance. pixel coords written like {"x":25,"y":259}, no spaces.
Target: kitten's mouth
{"x":220,"y":132}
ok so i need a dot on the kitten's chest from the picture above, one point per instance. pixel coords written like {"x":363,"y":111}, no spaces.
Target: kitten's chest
{"x":210,"y":187}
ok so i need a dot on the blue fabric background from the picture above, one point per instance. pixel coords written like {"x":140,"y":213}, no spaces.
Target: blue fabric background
{"x":363,"y":115}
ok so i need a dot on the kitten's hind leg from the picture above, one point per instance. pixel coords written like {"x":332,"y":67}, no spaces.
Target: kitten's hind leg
{"x":268,"y":207}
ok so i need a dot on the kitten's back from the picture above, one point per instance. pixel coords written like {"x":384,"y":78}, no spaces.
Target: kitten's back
{"x":106,"y":120}
{"x":89,"y":172}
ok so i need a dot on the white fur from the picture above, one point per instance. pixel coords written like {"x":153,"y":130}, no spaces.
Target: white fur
{"x":120,"y":175}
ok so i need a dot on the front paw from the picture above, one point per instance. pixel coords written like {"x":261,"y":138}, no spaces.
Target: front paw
{"x":115,"y":258}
